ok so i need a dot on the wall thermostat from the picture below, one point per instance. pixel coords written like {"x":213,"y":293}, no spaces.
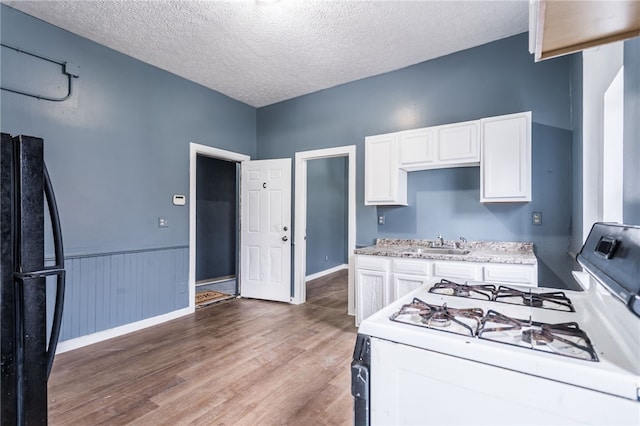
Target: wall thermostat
{"x":179,"y":200}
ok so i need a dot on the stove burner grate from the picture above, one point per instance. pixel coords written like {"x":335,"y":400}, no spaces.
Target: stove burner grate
{"x":555,"y":300}
{"x":451,"y":288}
{"x":563,"y":339}
{"x":458,"y":321}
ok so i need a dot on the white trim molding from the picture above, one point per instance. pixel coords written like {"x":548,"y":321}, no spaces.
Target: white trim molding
{"x":101,"y":336}
{"x":299,"y":276}
{"x":326,"y":272}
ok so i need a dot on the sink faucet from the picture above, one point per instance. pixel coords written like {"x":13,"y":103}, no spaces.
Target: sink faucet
{"x":441,"y":240}
{"x":463,"y":243}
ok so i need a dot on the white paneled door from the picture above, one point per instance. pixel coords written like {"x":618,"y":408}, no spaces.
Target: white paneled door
{"x":266,"y":230}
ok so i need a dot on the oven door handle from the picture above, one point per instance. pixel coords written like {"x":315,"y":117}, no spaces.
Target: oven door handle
{"x":361,"y":381}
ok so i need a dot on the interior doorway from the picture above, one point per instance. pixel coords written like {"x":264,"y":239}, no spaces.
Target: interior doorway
{"x":327,"y":219}
{"x":217,"y":187}
{"x":205,"y":272}
{"x":300,"y":222}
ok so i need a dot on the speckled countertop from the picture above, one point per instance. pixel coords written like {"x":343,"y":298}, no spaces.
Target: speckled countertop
{"x":479,"y":251}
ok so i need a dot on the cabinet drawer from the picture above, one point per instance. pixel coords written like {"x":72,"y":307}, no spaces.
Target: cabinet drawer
{"x":412,"y":267}
{"x":372,"y":263}
{"x":459,"y":270}
{"x":516,"y":274}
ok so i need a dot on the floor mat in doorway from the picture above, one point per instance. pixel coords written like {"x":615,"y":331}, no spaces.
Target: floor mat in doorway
{"x":210,"y":296}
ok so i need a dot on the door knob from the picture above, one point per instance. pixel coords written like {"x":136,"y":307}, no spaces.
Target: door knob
{"x":285,"y":238}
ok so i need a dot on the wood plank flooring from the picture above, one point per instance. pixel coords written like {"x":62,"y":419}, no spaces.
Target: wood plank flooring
{"x":237,"y":362}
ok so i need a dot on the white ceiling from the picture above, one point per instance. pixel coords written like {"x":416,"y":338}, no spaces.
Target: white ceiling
{"x":261,"y":53}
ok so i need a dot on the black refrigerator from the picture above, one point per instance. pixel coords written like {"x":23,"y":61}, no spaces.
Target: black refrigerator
{"x":27,"y":344}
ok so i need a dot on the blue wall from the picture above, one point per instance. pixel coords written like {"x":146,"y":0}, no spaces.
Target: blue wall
{"x":327,"y":224}
{"x":577,"y":152}
{"x":631,"y":194}
{"x":119,"y":148}
{"x":492,"y":79}
{"x":117,"y":151}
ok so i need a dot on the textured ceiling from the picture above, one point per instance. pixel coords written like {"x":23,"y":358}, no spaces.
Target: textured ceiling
{"x":261,"y":53}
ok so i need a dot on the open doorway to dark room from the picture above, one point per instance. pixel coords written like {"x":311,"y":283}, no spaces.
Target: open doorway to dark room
{"x":216,"y":229}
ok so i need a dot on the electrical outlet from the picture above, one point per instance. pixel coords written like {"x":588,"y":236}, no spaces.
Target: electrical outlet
{"x":381,"y":219}
{"x":537,"y":218}
{"x":163,"y":223}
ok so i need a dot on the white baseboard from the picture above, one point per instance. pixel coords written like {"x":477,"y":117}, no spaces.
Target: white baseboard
{"x":326,"y":272}
{"x":100,"y":336}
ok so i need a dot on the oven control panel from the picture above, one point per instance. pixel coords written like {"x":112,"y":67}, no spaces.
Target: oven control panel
{"x":610,"y":254}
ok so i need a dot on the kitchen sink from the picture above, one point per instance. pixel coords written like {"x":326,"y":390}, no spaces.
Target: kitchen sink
{"x":437,"y":250}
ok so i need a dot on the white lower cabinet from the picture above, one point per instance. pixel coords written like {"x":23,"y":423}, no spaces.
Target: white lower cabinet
{"x":373,"y":287}
{"x":403,"y":284}
{"x":409,"y":274}
{"x":380,"y":280}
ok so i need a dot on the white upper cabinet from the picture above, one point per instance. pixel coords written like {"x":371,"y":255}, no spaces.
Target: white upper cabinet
{"x":418,"y":148}
{"x":505,"y":169}
{"x":458,"y":143}
{"x":385,"y":183}
{"x":501,"y":146}
{"x":451,"y":145}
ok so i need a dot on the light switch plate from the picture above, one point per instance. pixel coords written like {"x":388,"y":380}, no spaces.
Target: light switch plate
{"x":179,"y":200}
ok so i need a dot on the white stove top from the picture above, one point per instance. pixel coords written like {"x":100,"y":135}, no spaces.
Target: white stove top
{"x":613,"y":332}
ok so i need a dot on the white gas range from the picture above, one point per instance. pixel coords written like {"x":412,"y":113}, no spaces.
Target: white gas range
{"x":476,"y":353}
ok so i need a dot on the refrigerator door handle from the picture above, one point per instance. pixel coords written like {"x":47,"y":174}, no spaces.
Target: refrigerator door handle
{"x":59,"y":260}
{"x":42,"y":273}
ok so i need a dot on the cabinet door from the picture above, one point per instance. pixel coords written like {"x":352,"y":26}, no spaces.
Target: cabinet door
{"x":505,"y":169}
{"x":403,"y":284}
{"x":372,"y":289}
{"x":458,"y":143}
{"x":417,"y":148}
{"x":385,"y":183}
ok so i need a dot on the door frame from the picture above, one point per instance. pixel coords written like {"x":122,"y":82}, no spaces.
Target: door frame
{"x":300,"y":221}
{"x":196,"y":149}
